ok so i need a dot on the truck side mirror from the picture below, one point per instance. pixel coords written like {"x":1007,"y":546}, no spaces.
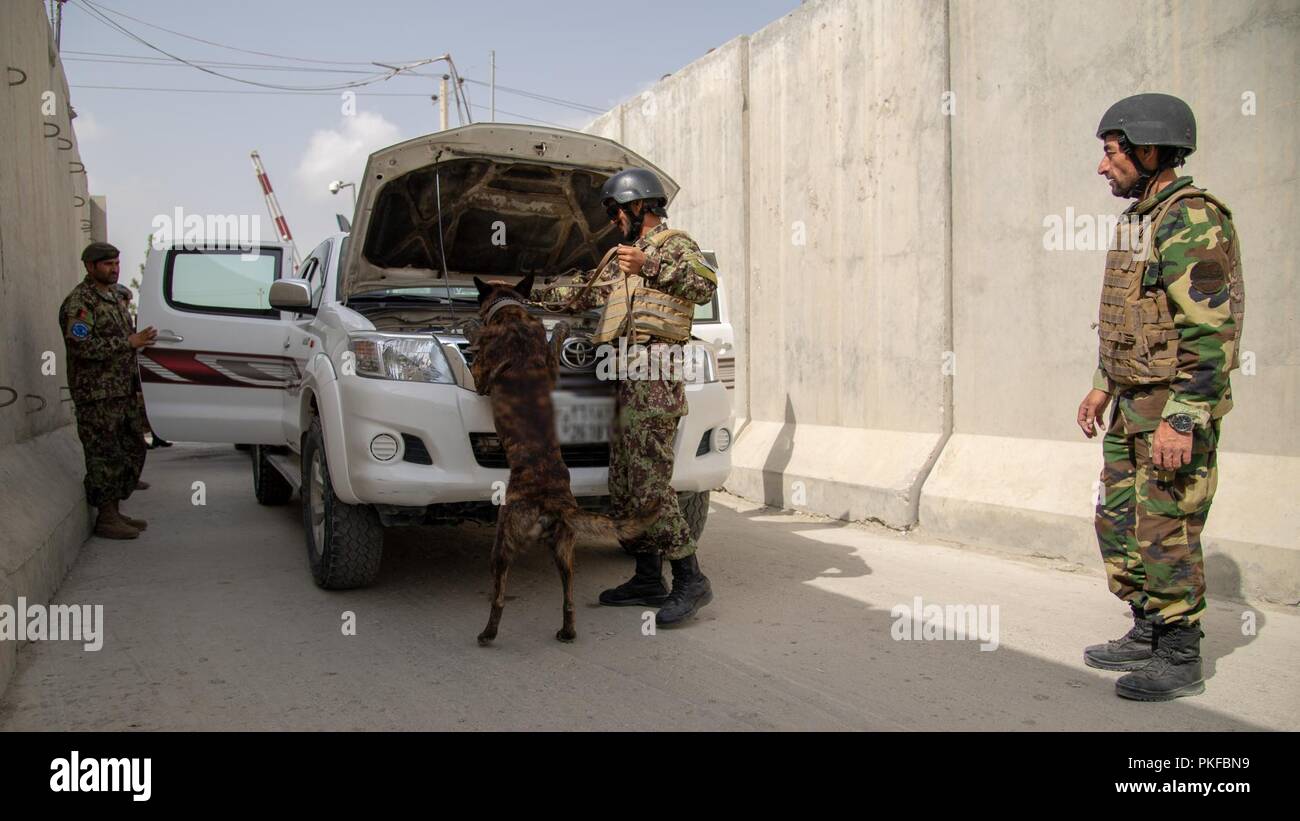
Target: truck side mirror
{"x":291,"y":295}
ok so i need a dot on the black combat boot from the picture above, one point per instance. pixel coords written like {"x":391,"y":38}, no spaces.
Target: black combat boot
{"x":1174,"y":669}
{"x":646,"y":587}
{"x":691,"y":591}
{"x":1131,"y":652}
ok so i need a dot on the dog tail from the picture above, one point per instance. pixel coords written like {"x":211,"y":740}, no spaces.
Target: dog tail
{"x":599,"y":526}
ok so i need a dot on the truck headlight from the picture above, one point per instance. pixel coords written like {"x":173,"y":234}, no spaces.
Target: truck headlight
{"x":409,"y":358}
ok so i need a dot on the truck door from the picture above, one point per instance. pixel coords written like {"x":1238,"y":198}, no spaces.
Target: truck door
{"x":218,"y":370}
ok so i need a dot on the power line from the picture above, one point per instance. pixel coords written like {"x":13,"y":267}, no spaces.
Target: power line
{"x":462,"y":101}
{"x":131,"y":60}
{"x":97,"y":15}
{"x":590,"y":109}
{"x":134,"y":59}
{"x":304,"y":94}
{"x":310,"y":93}
{"x":231,"y":48}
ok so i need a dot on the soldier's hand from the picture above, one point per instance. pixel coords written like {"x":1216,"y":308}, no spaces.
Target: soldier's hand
{"x":143,"y":338}
{"x":1090,"y":412}
{"x":1170,"y":449}
{"x":630,"y":259}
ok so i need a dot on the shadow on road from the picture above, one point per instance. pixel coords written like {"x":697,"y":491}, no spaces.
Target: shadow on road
{"x":217,"y":624}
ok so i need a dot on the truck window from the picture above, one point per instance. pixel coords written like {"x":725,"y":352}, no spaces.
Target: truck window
{"x":221,"y":281}
{"x":708,"y":312}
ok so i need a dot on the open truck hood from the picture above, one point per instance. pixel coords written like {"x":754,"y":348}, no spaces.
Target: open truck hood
{"x":515,"y":200}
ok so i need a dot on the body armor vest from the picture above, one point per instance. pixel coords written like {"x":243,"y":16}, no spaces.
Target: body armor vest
{"x":1138,"y":336}
{"x":640,"y":313}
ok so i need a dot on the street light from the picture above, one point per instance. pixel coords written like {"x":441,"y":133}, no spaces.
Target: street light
{"x":339,"y":185}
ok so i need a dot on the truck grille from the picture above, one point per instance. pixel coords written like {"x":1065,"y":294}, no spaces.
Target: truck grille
{"x":582,"y":383}
{"x":489,"y":453}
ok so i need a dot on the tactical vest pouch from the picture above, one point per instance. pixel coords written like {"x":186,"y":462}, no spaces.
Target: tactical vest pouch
{"x":652,"y":314}
{"x":1136,"y":330}
{"x":638,"y":312}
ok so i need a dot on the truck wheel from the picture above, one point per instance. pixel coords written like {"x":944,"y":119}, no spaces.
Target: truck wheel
{"x":269,"y":486}
{"x":695,"y":507}
{"x":344,"y":542}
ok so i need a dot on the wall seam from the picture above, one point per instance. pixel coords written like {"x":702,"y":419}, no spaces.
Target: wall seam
{"x":914,"y":502}
{"x":746,"y":228}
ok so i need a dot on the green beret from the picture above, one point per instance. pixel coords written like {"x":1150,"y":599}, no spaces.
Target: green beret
{"x":98,"y":252}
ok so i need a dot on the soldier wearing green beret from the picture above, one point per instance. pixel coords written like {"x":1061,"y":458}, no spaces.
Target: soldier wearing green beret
{"x":104,"y":381}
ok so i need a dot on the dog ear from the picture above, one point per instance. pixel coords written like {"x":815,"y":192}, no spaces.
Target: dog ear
{"x":524,"y":287}
{"x":483,"y":289}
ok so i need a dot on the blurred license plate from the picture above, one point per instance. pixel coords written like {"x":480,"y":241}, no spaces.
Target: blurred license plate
{"x":588,"y":422}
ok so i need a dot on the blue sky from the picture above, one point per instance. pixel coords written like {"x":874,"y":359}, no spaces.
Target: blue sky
{"x":152,"y":151}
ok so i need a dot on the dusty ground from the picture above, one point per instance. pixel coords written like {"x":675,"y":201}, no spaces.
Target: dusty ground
{"x":213,"y":622}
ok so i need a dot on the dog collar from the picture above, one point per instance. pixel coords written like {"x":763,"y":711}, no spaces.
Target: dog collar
{"x":498,"y":305}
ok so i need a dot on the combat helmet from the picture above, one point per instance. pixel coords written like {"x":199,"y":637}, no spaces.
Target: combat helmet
{"x":628,"y":186}
{"x":1151,"y":119}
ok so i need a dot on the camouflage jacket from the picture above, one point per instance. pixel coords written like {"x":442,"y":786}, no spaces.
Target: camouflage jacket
{"x":671,"y":268}
{"x":101,"y":361}
{"x":1193,"y":232}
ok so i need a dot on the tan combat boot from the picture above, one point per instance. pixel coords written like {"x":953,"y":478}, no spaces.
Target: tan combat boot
{"x":138,"y":524}
{"x":111,"y":525}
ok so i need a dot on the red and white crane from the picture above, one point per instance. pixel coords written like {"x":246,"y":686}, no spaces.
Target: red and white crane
{"x":273,"y":205}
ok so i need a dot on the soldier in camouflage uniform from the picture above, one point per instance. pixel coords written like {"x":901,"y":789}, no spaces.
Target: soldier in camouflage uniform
{"x":103,"y":380}
{"x":648,"y":409}
{"x":1170,"y":322}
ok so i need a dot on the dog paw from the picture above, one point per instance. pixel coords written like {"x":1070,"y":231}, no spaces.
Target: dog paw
{"x":484,"y":639}
{"x":564,"y":634}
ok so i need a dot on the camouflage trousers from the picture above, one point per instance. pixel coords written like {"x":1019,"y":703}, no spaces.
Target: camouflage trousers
{"x":641,"y":463}
{"x":1149,"y":523}
{"x":112,"y":439}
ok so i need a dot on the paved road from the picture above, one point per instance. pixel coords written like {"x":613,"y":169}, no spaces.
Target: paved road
{"x":212,"y":622}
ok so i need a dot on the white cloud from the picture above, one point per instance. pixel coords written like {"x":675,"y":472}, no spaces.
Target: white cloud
{"x":340,"y":153}
{"x":88,"y":128}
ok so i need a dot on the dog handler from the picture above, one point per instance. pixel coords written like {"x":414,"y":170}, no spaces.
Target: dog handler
{"x":661,"y":271}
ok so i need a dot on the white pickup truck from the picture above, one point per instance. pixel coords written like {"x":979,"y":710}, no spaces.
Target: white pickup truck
{"x":351,"y":380}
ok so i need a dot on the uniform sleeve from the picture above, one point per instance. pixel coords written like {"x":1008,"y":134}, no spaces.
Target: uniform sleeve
{"x":1195,"y":258}
{"x":83,"y":340}
{"x":679,"y":269}
{"x":1100,"y":381}
{"x":590,"y":299}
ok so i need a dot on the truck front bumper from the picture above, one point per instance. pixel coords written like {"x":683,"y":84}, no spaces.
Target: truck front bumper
{"x":398,"y":420}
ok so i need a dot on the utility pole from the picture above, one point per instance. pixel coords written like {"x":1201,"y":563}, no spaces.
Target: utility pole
{"x":492,"y":57}
{"x":442,"y":104}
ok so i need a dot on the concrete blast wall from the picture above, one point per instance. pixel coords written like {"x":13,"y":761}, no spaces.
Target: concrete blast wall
{"x":45,"y":221}
{"x":878,"y":179}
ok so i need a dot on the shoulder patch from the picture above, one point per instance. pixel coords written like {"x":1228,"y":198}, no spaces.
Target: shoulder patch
{"x":79,"y":330}
{"x":1208,"y":276}
{"x":701,"y":267}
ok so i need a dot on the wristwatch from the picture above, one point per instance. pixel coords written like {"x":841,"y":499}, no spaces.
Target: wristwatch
{"x":1181,"y":422}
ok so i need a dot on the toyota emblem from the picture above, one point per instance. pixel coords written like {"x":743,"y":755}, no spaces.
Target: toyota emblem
{"x":578,"y":354}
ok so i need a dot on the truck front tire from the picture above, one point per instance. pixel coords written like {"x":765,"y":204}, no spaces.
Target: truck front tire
{"x":269,"y":486}
{"x":344,"y":542}
{"x":695,"y":507}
